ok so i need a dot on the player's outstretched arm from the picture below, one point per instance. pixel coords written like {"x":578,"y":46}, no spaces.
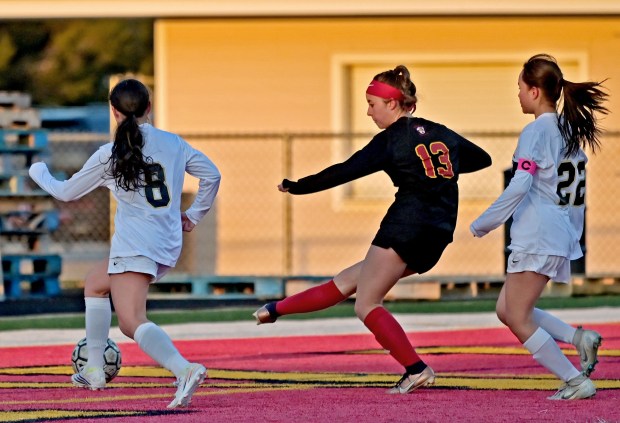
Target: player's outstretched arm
{"x":91,"y":176}
{"x":502,"y":208}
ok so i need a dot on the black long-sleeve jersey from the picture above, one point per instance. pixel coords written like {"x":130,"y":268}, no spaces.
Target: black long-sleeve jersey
{"x":423,"y":160}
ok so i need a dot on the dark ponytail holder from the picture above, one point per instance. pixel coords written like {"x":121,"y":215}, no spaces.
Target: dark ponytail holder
{"x":561,"y":87}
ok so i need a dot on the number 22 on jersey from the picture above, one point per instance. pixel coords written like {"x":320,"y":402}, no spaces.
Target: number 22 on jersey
{"x":439,"y":150}
{"x":572,"y":183}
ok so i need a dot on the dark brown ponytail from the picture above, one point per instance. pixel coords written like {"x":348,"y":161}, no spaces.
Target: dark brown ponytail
{"x":578,"y":124}
{"x":577,"y":120}
{"x":128,"y":165}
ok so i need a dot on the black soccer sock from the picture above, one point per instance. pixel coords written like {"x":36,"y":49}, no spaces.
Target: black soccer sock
{"x":416,"y":368}
{"x":271,"y":308}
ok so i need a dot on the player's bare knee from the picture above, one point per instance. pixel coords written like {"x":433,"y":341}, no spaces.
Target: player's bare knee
{"x":502,"y":318}
{"x":97,"y":281}
{"x":514,"y":322}
{"x":126,"y":329}
{"x":127,"y":326}
{"x":363,"y":309}
{"x":346,"y":288}
{"x":500,"y":311}
{"x":94,"y":291}
{"x":346,"y":284}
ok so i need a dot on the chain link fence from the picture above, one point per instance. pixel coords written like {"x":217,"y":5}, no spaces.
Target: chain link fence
{"x":256,"y":230}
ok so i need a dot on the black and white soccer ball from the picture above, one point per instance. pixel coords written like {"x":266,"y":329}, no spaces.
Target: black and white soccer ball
{"x":111,"y":358}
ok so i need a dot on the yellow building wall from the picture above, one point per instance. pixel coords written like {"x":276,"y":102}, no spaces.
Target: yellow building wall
{"x":282,"y":76}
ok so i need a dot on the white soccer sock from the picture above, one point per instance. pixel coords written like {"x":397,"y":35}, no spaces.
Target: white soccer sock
{"x":98,"y":318}
{"x":157,"y":344}
{"x":545,"y":350}
{"x":554,"y":326}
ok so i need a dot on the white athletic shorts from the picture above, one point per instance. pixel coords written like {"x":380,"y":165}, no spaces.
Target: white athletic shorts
{"x":139,"y":264}
{"x":556,"y":267}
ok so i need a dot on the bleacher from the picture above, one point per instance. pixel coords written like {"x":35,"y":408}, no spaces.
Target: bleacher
{"x":27,"y":214}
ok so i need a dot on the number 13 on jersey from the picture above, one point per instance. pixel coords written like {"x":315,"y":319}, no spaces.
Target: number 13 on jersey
{"x":439,"y":150}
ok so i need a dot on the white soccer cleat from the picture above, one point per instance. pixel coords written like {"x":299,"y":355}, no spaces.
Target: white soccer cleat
{"x":409,"y":383}
{"x":579,"y":387}
{"x":89,"y":377}
{"x":187,"y":384}
{"x":587,"y":343}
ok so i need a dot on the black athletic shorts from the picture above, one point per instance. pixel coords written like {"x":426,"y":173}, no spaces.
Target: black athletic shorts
{"x":421,"y":251}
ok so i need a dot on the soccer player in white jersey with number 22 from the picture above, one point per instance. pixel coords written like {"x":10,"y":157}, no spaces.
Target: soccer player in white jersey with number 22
{"x":144,"y":168}
{"x":546,"y":201}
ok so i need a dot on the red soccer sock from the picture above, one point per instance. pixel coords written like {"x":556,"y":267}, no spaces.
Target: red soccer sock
{"x":313,"y":299}
{"x":390,"y":334}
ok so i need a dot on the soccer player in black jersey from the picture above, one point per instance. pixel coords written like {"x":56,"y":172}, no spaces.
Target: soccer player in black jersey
{"x":424,"y":160}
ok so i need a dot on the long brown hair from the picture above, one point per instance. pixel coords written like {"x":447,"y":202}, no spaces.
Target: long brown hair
{"x":128,"y":165}
{"x":581,"y":100}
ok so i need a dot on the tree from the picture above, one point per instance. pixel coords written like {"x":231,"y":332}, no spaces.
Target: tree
{"x":68,"y":62}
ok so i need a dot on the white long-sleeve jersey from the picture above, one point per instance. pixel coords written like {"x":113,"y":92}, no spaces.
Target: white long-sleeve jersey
{"x":546,"y":204}
{"x":147,"y":221}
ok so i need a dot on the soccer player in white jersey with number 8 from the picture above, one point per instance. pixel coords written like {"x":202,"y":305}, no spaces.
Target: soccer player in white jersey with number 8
{"x":144,"y":168}
{"x":545,"y":198}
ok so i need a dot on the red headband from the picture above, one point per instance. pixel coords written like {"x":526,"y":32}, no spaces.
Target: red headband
{"x":383,"y":90}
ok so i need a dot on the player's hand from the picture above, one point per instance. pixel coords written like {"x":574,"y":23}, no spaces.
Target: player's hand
{"x":282,"y":189}
{"x":186,"y":224}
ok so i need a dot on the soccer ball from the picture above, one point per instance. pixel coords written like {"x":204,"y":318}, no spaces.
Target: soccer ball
{"x":111,"y":358}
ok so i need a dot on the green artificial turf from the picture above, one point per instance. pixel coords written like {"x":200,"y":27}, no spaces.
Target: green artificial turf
{"x":217,"y":314}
